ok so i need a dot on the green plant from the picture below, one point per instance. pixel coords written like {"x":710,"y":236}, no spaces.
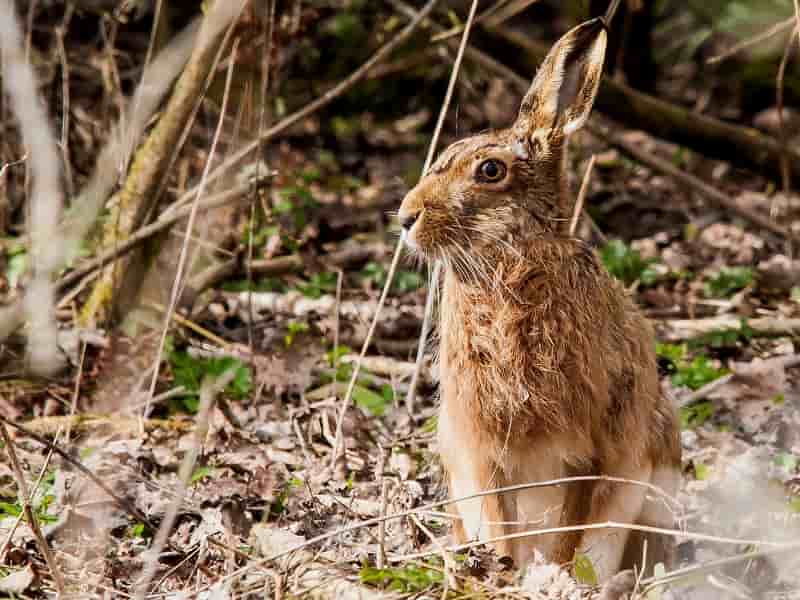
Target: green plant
{"x":584,"y":570}
{"x":365,"y":398}
{"x":404,"y":281}
{"x":695,"y":414}
{"x":294,"y":328}
{"x":407,"y":579}
{"x":201,"y":473}
{"x":627,"y":265}
{"x":724,"y":338}
{"x":318,"y":284}
{"x":701,"y":471}
{"x":41,"y":503}
{"x":694,"y":373}
{"x":294,"y":201}
{"x":266,"y":284}
{"x":189,"y":371}
{"x":728,"y":281}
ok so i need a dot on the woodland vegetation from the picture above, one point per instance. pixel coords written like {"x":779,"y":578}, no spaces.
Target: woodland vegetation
{"x":206,"y":356}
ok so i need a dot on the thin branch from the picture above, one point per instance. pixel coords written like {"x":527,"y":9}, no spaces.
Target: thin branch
{"x":208,"y":393}
{"x":322,"y":101}
{"x":178,"y":282}
{"x":753,"y":41}
{"x":576,"y":214}
{"x":434,"y":505}
{"x":707,"y":191}
{"x":33,"y":520}
{"x":605,"y":525}
{"x":437,"y":267}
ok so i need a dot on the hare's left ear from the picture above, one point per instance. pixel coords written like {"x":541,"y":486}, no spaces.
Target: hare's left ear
{"x":564,"y":89}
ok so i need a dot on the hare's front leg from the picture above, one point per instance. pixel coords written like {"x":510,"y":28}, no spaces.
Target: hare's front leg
{"x":619,"y":502}
{"x":469,"y":471}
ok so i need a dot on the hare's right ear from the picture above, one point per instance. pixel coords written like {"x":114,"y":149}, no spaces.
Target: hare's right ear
{"x":563,"y":91}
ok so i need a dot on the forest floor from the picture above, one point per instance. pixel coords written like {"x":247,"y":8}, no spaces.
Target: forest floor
{"x":724,"y":296}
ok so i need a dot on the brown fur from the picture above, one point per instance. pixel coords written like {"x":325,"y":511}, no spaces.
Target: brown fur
{"x":547,"y":366}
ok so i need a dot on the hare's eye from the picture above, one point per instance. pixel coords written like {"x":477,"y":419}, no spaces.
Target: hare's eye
{"x":491,"y":171}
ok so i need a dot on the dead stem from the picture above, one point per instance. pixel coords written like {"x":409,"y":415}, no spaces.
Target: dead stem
{"x":429,"y":299}
{"x":33,"y":520}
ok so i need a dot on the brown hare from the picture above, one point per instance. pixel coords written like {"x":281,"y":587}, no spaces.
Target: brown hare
{"x":547,"y":368}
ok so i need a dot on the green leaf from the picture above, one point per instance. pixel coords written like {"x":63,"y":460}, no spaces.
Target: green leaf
{"x":584,"y":570}
{"x":407,"y":579}
{"x":627,"y":265}
{"x":188,"y":371}
{"x":294,"y":328}
{"x":701,"y":471}
{"x":787,"y":461}
{"x":368,"y":400}
{"x":201,"y":473}
{"x":696,"y":414}
{"x":728,"y":281}
{"x":697,"y":373}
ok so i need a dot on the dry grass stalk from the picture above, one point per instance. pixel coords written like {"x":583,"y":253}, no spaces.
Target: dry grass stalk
{"x":208,"y":393}
{"x":178,"y":282}
{"x":576,"y":214}
{"x":437,"y":267}
{"x":33,"y":521}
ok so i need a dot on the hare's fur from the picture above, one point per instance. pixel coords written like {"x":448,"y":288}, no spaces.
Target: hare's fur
{"x":547,"y":367}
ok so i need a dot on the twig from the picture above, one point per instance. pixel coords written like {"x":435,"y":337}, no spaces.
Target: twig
{"x":707,"y":191}
{"x":119,"y":500}
{"x":581,"y":196}
{"x":164,"y":222}
{"x":686,"y":572}
{"x":757,"y":39}
{"x":320,"y":102}
{"x":33,"y":520}
{"x":786,"y":174}
{"x":36,"y":485}
{"x":678,"y":330}
{"x":704,"y":391}
{"x":438,"y":504}
{"x":604,"y":525}
{"x":442,"y":551}
{"x":429,"y":299}
{"x":338,"y":438}
{"x":178,"y":281}
{"x":208,"y":392}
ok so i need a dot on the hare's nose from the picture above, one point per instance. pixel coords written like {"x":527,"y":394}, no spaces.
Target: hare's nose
{"x":407,"y":220}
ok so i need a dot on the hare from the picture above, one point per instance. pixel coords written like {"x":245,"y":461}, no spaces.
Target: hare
{"x":547,"y":367}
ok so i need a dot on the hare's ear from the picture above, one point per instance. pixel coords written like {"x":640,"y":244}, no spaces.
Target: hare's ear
{"x":563,"y":91}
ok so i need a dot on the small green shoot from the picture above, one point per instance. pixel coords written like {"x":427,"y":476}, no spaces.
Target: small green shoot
{"x":408,"y":579}
{"x":404,"y":281}
{"x":724,"y":338}
{"x":319,"y":284}
{"x":694,"y":373}
{"x":627,"y":265}
{"x":201,"y":473}
{"x":701,"y":471}
{"x":696,"y":414}
{"x":728,"y":281}
{"x":293,"y":329}
{"x":787,"y":461}
{"x":188,"y":371}
{"x":584,"y":570}
{"x":137,"y":530}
